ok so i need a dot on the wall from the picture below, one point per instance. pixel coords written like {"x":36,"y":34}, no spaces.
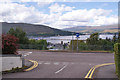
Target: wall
{"x":9,"y":62}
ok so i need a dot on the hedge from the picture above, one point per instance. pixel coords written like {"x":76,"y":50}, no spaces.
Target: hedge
{"x":117,"y":58}
{"x":82,"y":46}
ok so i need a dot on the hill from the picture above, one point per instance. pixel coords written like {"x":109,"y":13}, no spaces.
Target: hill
{"x":34,"y":30}
{"x":92,"y":29}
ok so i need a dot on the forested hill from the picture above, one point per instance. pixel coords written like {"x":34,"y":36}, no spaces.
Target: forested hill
{"x":34,"y":30}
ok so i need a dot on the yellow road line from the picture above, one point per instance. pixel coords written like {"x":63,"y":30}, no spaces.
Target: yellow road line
{"x":35,"y":64}
{"x":91,"y":71}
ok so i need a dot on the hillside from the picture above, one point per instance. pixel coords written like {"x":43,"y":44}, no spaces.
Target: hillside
{"x":92,"y":29}
{"x":34,"y":30}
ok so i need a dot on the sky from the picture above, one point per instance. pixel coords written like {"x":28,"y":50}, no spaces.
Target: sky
{"x":60,"y":14}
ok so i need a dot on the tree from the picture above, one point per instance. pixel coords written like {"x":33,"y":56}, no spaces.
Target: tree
{"x":19,"y":33}
{"x":93,"y":39}
{"x":118,"y":37}
{"x":38,"y":44}
{"x":114,"y":38}
{"x":11,"y":31}
{"x":105,"y":44}
{"x":42,"y":44}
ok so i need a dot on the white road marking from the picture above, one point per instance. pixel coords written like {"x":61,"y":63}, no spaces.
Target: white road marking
{"x":40,"y":62}
{"x":56,"y":63}
{"x":30,"y":52}
{"x":61,"y":69}
{"x":64,"y":63}
{"x":47,"y":63}
{"x":25,"y":55}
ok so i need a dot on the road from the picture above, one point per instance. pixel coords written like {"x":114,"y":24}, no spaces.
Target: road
{"x":61,"y":64}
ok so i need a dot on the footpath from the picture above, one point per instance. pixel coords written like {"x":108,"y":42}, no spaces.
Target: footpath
{"x":106,"y":72}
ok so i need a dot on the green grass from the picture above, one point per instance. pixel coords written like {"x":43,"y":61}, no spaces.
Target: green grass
{"x":14,"y":70}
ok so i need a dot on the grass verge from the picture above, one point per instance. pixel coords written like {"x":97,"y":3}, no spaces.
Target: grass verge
{"x":14,"y":70}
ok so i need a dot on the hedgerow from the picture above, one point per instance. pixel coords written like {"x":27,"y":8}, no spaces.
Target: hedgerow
{"x":117,"y":58}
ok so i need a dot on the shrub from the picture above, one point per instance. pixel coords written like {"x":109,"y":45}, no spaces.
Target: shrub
{"x":81,"y":45}
{"x":117,"y":48}
{"x":35,"y":44}
{"x":117,"y":58}
{"x":9,"y":44}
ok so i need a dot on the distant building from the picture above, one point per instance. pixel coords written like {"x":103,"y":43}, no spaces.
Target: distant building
{"x":58,"y":46}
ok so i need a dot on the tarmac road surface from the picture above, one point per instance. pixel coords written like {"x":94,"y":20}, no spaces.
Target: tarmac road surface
{"x":63,"y":64}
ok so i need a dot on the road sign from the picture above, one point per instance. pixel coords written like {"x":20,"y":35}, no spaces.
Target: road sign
{"x":77,"y":35}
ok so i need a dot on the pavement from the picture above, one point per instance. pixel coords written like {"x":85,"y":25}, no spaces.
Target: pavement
{"x":109,"y":72}
{"x":66,"y":65}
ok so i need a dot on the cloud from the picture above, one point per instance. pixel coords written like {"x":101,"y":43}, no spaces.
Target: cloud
{"x":13,"y":12}
{"x":59,"y":0}
{"x":84,"y":15}
{"x":103,"y":20}
{"x":61,"y":16}
{"x":45,"y":2}
{"x":59,"y":8}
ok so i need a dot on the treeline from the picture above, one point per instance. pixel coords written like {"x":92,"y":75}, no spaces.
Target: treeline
{"x":24,"y":42}
{"x":95,"y":43}
{"x":53,"y":34}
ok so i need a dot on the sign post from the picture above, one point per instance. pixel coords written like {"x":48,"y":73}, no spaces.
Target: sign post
{"x":77,"y":36}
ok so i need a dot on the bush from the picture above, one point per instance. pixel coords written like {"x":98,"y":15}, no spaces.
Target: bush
{"x":117,"y":58}
{"x":81,"y":45}
{"x":35,"y":44}
{"x":9,"y":44}
{"x":117,"y":48}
